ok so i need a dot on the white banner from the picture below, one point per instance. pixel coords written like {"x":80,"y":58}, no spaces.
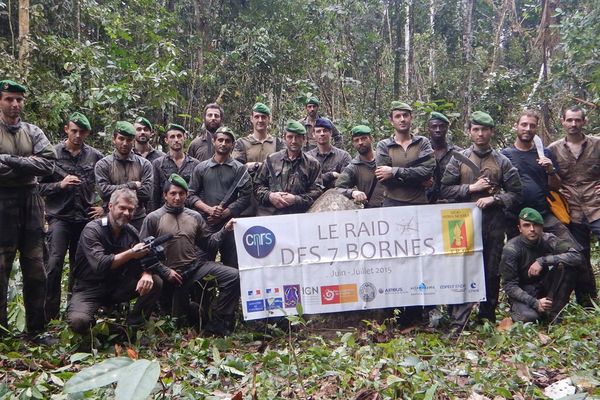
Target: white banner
{"x":360,"y":259}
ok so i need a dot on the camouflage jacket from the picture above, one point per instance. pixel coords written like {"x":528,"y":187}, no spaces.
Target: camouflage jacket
{"x":334,"y":160}
{"x":300,"y":177}
{"x":360,"y":174}
{"x":496,"y":167}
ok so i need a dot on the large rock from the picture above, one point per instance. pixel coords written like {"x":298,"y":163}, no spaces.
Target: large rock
{"x":332,"y":200}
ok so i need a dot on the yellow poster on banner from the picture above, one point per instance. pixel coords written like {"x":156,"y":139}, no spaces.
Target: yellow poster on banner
{"x":457,"y":229}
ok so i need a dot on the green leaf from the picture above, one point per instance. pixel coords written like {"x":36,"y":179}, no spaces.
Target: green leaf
{"x":79,"y":357}
{"x":430,"y":392}
{"x":98,"y":375}
{"x":232,"y":370}
{"x":138,"y":381}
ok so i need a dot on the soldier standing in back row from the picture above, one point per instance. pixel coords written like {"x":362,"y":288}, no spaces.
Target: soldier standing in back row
{"x":70,"y":194}
{"x":144,"y":132}
{"x":124,"y":169}
{"x":357,"y":181}
{"x":312,"y":115}
{"x":404,"y":161}
{"x":174,"y":162}
{"x":438,"y":130}
{"x":201,"y":147}
{"x":488,"y":178}
{"x":289,"y":181}
{"x":332,"y":159}
{"x":25,"y":153}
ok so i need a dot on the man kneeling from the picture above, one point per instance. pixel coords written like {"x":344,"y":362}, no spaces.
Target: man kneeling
{"x":538,"y":270}
{"x":107,"y":269}
{"x":184,"y":262}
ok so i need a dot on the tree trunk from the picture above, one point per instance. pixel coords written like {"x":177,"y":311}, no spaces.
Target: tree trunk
{"x":431,"y":40}
{"x":23,"y":35}
{"x":77,"y":7}
{"x":408,"y":50}
{"x":503,"y":12}
{"x":467,"y":13}
{"x":397,"y":47}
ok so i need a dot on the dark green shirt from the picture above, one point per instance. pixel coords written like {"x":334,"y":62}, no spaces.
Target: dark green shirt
{"x":360,"y":174}
{"x":163,"y":167}
{"x":72,"y":203}
{"x":335,"y":160}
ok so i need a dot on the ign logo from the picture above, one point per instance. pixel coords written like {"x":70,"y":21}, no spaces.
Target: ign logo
{"x":259,"y":241}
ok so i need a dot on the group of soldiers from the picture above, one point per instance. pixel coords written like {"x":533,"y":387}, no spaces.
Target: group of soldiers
{"x":110,"y":212}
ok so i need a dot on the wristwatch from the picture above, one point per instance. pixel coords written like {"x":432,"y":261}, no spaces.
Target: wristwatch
{"x":497,"y":199}
{"x":552,"y":171}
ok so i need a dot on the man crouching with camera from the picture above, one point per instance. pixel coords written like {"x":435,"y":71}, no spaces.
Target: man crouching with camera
{"x":184,"y":264}
{"x":107,"y":268}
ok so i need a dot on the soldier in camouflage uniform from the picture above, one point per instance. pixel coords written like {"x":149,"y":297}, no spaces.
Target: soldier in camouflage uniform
{"x":25,"y":153}
{"x":405,"y":162}
{"x":70,"y":194}
{"x":332,"y":159}
{"x":538,"y":270}
{"x":289,"y":181}
{"x":312,"y":115}
{"x":201,"y":147}
{"x":495,"y":187}
{"x":144,"y":132}
{"x":174,"y":162}
{"x":220,"y":189}
{"x":357,"y":181}
{"x":124,"y":169}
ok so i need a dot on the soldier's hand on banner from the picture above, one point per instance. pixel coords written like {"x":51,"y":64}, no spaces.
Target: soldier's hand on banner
{"x":485,"y":202}
{"x":359,"y":196}
{"x":229,"y":225}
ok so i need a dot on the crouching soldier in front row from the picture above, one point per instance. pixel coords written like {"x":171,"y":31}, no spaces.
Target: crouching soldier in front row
{"x":183,"y":264}
{"x":107,"y":267}
{"x":538,"y":270}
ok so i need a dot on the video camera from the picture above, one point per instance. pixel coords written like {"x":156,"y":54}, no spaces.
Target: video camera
{"x":156,"y":250}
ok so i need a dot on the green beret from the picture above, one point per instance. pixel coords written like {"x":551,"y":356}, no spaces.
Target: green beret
{"x":439,"y":116}
{"x":531,"y":215}
{"x":227,"y":131}
{"x":125,"y":128}
{"x":80,"y":120}
{"x":11,"y":86}
{"x":145,"y":122}
{"x":295,"y":127}
{"x":176,"y":127}
{"x":398,"y":105}
{"x":481,"y":118}
{"x":261,"y":108}
{"x":313,"y":100}
{"x":178,"y":181}
{"x":360,"y":130}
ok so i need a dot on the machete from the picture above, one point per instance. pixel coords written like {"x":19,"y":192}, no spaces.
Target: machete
{"x":539,"y":146}
{"x":468,"y":162}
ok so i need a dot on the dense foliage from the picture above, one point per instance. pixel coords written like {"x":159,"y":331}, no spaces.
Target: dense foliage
{"x":168,"y":58}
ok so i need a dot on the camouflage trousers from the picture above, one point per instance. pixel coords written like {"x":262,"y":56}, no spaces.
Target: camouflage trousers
{"x":493,"y":228}
{"x":22,"y":230}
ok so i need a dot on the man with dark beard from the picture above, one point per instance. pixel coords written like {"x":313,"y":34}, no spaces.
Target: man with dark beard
{"x":357,"y":181}
{"x":220,"y":189}
{"x":144,"y":132}
{"x":201,"y":147}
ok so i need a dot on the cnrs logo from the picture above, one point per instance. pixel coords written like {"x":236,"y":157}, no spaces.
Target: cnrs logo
{"x":259,"y":241}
